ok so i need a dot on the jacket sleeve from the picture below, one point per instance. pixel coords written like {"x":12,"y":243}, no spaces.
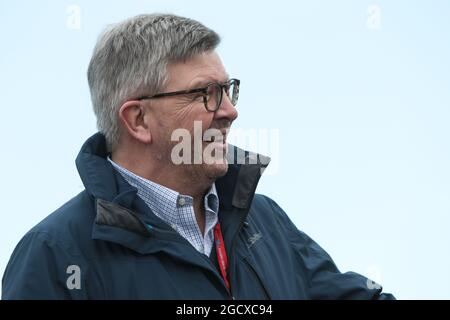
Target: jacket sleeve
{"x":324,"y":278}
{"x":39,"y":268}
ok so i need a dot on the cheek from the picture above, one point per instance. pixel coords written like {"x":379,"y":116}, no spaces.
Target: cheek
{"x":160,"y":128}
{"x":197,"y":119}
{"x":205,"y":121}
{"x":193,"y":118}
{"x":196,"y":126}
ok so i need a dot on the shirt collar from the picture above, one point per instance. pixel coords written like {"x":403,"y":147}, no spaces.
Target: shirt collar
{"x":164,"y":201}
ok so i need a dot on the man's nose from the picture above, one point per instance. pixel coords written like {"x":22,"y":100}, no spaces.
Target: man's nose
{"x":226,"y":109}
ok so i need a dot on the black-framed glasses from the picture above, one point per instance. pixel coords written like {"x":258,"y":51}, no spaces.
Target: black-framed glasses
{"x":212,"y":94}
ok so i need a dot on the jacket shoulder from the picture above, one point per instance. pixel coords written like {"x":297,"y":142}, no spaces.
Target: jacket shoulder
{"x":38,"y":267}
{"x":267,"y":211}
{"x":72,"y":221}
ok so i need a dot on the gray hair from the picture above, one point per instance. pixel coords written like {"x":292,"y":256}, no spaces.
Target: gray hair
{"x":130,"y":59}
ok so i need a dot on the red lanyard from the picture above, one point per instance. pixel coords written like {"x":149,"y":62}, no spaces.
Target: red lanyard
{"x":221,"y":254}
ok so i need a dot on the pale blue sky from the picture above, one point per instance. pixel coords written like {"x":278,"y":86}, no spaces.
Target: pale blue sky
{"x":362,"y":115}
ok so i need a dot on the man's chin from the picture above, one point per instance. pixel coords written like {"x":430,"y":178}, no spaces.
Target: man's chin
{"x":216,"y":170}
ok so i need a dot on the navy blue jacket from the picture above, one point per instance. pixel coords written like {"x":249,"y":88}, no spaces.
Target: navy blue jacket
{"x":105,"y":243}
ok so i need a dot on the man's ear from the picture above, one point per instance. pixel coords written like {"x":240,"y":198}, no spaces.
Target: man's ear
{"x":132,"y":115}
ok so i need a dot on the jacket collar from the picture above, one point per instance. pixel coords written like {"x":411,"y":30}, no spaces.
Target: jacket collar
{"x":118,"y":206}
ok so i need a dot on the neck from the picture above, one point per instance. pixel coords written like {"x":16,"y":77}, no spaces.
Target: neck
{"x":156,"y":169}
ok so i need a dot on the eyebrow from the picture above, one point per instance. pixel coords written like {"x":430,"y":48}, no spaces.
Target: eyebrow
{"x":204,"y":82}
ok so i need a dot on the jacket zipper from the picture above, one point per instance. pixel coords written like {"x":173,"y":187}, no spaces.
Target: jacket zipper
{"x":214,"y":269}
{"x":232,"y":257}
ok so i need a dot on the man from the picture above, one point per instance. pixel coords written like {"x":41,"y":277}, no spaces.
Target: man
{"x":160,"y":221}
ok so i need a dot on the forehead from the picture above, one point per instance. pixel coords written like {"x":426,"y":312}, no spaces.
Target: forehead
{"x":196,"y":72}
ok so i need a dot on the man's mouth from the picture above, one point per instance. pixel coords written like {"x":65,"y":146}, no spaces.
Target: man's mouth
{"x":218,"y":142}
{"x":219,"y":139}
